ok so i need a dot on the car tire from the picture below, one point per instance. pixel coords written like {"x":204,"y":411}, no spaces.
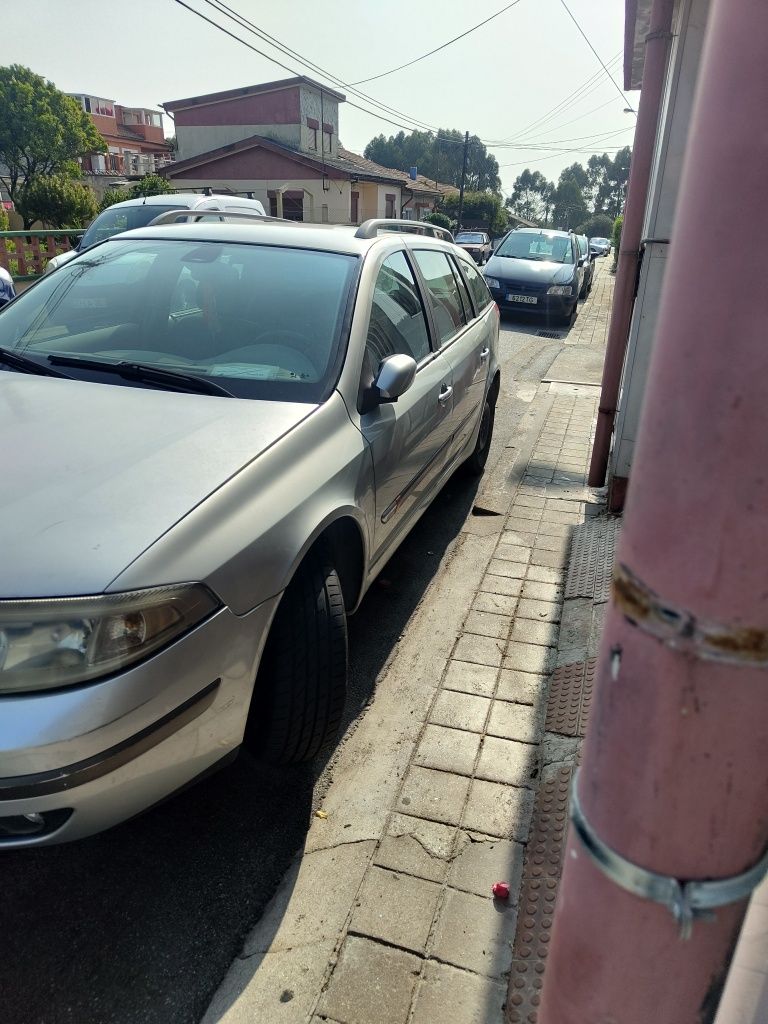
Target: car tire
{"x":475,"y":464}
{"x":301,"y":685}
{"x":570,"y":318}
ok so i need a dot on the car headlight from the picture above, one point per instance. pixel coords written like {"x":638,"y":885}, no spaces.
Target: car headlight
{"x":493,"y":282}
{"x":560,"y":289}
{"x":59,"y":642}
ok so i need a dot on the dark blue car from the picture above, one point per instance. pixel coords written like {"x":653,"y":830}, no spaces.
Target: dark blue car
{"x":535,"y":270}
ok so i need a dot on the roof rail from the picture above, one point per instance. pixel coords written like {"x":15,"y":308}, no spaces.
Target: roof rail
{"x":371,"y":228}
{"x":176,"y":216}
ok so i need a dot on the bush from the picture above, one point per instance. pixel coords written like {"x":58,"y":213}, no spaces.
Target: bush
{"x":616,"y":238}
{"x":151,"y":185}
{"x":599,"y":225}
{"x":115,"y":195}
{"x":439,"y":219}
{"x":4,"y":221}
{"x":59,"y":202}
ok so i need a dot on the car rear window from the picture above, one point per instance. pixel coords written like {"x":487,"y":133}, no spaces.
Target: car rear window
{"x":121,"y":218}
{"x":443,"y":291}
{"x":263,"y":321}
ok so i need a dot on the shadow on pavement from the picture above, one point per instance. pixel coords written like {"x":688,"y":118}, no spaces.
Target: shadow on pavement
{"x":139,"y":925}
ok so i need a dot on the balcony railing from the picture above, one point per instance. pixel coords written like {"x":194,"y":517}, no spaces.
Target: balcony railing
{"x":24,"y":254}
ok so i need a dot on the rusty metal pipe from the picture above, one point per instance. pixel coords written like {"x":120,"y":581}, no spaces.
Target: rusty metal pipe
{"x":656,"y":49}
{"x":674,"y":776}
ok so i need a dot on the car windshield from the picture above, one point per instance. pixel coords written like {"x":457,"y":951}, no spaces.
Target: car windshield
{"x":262,"y":321}
{"x":121,"y":218}
{"x":583,"y":244}
{"x":542,"y":245}
{"x":600,"y":241}
{"x":469,"y":236}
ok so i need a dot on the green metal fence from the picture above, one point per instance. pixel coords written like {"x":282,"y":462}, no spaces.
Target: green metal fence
{"x":24,"y":254}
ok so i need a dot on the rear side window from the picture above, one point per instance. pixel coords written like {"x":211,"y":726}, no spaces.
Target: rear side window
{"x":398,"y":323}
{"x":477,"y":286}
{"x":443,"y":292}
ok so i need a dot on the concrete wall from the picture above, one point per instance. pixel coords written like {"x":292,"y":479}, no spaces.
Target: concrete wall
{"x":336,"y":199}
{"x":672,"y":136}
{"x":324,"y":111}
{"x":196,"y":139}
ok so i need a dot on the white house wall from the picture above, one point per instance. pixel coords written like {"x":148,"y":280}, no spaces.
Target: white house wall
{"x":196,"y":139}
{"x":337,"y":198}
{"x":672,"y":136}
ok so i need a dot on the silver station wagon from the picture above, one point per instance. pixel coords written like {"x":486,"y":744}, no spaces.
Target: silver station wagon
{"x":214,"y":435}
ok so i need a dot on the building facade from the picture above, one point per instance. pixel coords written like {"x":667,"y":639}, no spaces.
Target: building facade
{"x":279,"y":143}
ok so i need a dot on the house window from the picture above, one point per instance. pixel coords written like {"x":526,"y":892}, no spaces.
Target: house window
{"x":354,"y":208}
{"x":389,"y":206}
{"x":407,"y":214}
{"x":293,"y":206}
{"x":313,"y":138}
{"x":324,"y":214}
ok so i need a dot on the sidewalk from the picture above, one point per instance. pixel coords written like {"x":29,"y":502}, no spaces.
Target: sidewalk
{"x":461,"y":776}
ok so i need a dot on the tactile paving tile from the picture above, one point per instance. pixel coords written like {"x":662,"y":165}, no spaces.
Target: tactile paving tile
{"x":604,"y":567}
{"x":587,"y":691}
{"x":541,"y":876}
{"x":564,"y":701}
{"x":586,"y":546}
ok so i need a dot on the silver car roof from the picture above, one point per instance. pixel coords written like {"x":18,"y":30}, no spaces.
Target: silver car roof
{"x":185,"y":200}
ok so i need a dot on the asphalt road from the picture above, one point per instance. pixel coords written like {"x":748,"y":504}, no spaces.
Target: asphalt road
{"x":139,"y":925}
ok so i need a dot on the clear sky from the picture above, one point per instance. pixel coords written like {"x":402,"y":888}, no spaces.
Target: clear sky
{"x":495,"y":83}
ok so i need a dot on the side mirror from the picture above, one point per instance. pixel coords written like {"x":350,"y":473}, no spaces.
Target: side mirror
{"x":395,"y":376}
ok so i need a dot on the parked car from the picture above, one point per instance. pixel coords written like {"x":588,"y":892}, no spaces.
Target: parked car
{"x":477,"y":244}
{"x":588,"y":265}
{"x":535,"y":270}
{"x":7,"y":289}
{"x":600,"y":246}
{"x":215,"y":435}
{"x":136,"y":213}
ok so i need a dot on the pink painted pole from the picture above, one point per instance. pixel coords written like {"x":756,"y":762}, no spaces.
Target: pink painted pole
{"x":654,"y":67}
{"x":675,"y":772}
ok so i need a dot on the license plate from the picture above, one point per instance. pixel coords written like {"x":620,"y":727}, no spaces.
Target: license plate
{"x":531,"y":299}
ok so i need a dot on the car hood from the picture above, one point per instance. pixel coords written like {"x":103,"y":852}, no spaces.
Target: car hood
{"x":92,"y":474}
{"x":507,"y":268}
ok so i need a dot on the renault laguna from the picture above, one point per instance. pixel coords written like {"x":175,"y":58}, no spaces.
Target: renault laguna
{"x":214,"y":437}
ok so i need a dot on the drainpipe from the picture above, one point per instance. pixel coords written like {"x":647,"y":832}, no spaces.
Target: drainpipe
{"x":654,"y":70}
{"x":674,"y":777}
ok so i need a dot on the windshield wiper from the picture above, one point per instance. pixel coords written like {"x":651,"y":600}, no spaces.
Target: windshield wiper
{"x":27,"y":365}
{"x":174,"y":379}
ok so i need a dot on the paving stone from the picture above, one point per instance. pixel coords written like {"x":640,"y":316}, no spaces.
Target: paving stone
{"x":458,"y":711}
{"x":483,"y":650}
{"x":524,"y":537}
{"x":508,"y":761}
{"x":501,"y":567}
{"x":525,"y":511}
{"x":539,"y":611}
{"x":530,"y":631}
{"x":561,"y":530}
{"x":487,"y":624}
{"x":448,"y":750}
{"x":372,"y":984}
{"x":515,"y":721}
{"x":521,"y":687}
{"x":452,"y":996}
{"x":507,"y":585}
{"x":499,"y":604}
{"x":576,"y":623}
{"x":561,"y":518}
{"x":395,"y":908}
{"x":557,"y":505}
{"x":553,"y":559}
{"x":545,"y":542}
{"x":468,"y":677}
{"x":437,"y":796}
{"x":498,"y":810}
{"x":543,"y":574}
{"x":536,"y":591}
{"x":522,"y":519}
{"x":475,"y":933}
{"x":528,"y":658}
{"x":416,"y":847}
{"x":483,"y":860}
{"x":530,"y":500}
{"x":512,"y":552}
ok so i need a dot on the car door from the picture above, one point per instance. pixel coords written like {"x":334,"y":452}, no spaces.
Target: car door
{"x":408,"y":438}
{"x":460,"y":336}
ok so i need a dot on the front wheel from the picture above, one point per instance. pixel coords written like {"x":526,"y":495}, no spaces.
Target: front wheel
{"x":475,"y":464}
{"x":301,"y":686}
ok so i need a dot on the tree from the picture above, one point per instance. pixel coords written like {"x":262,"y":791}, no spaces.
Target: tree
{"x":569,"y":205}
{"x":59,"y":202}
{"x":484,"y":209}
{"x":440,"y":219}
{"x":438,"y":157}
{"x":151,"y":185}
{"x":42,"y":132}
{"x":4,"y":221}
{"x":115,"y":195}
{"x":599,"y":225}
{"x":528,"y":195}
{"x":618,"y":224}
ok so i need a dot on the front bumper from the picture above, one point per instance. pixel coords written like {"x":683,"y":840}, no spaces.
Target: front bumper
{"x":79,"y":760}
{"x":546,"y":305}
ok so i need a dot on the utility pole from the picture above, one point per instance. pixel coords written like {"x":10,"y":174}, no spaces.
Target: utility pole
{"x":669,"y":826}
{"x":463,"y":179}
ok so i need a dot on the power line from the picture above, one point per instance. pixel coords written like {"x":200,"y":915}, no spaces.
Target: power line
{"x":437,"y":49}
{"x":585,"y":37}
{"x":564,"y":124}
{"x":563,"y":152}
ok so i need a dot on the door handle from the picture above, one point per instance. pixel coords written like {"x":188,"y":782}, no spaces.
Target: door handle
{"x":445,"y":393}
{"x":484,"y":355}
